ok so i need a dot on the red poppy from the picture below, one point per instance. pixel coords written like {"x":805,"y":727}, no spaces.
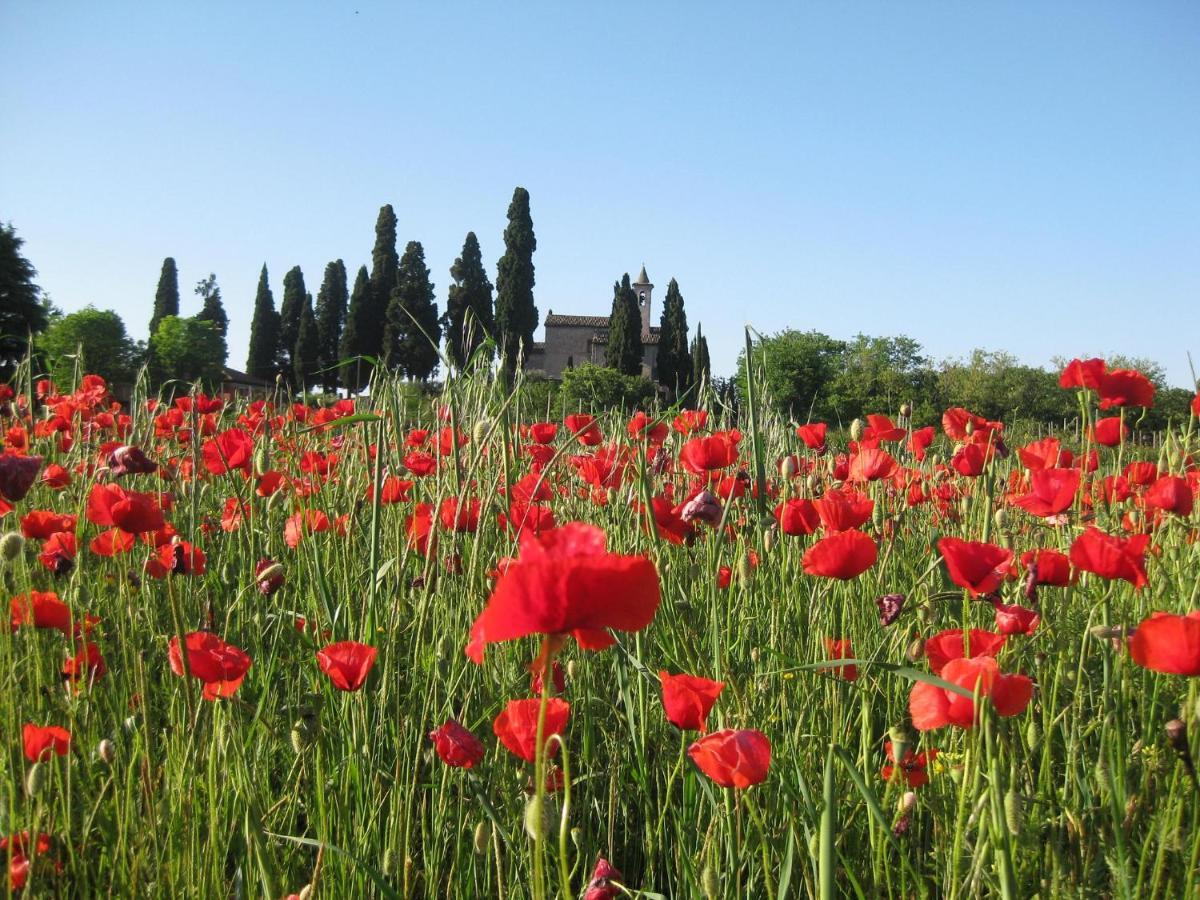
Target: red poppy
{"x":919,"y":441}
{"x":977,"y":566}
{"x":347,"y":663}
{"x":394,"y":490}
{"x":934,"y":707}
{"x":1125,"y":387}
{"x":1168,"y":643}
{"x":218,"y":664}
{"x":532,"y":517}
{"x":813,"y":435}
{"x":1048,"y":566}
{"x":420,"y":464}
{"x":87,"y":664}
{"x":516,"y":726}
{"x":1112,"y":557}
{"x":1172,"y":494}
{"x":131,"y":511}
{"x":1082,"y":373}
{"x":603,"y":886}
{"x":41,"y":609}
{"x":543,"y":432}
{"x":969,"y":460}
{"x":39,"y":524}
{"x":913,"y":765}
{"x":16,"y":848}
{"x":1052,"y":491}
{"x":948,"y":645}
{"x":1196,"y":405}
{"x":872,"y":464}
{"x":1015,"y":619}
{"x":688,"y":699}
{"x":17,"y":475}
{"x":1110,"y":432}
{"x":690,"y":420}
{"x":461,"y":517}
{"x":564,"y":581}
{"x":43,"y":741}
{"x":126,"y":460}
{"x":844,"y":555}
{"x":584,"y":429}
{"x":841,"y":648}
{"x":797,"y":517}
{"x":58,"y":552}
{"x":112,"y":542}
{"x":956,"y":421}
{"x":1044,"y":454}
{"x":647,"y":428}
{"x":668,"y":521}
{"x":704,"y":454}
{"x":733,"y":759}
{"x":176,"y":558}
{"x":842,"y":510}
{"x":456,"y":745}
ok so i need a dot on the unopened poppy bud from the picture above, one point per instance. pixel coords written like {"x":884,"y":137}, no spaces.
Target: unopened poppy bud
{"x":1177,"y":736}
{"x":899,"y":737}
{"x":788,"y":467}
{"x":935,"y":459}
{"x":262,"y":460}
{"x":916,"y":650}
{"x":1001,"y":518}
{"x":969,"y":428}
{"x":1014,"y":812}
{"x":905,"y":410}
{"x":1033,"y":734}
{"x":11,"y":545}
{"x":1107,"y":633}
{"x":577,"y":836}
{"x":612,"y":495}
{"x":306,"y":892}
{"x":481,"y":837}
{"x":908,"y":802}
{"x":304,"y":733}
{"x":572,"y":669}
{"x":709,"y":883}
{"x":268,"y":574}
{"x":856,"y":430}
{"x":535,"y":817}
{"x":744,"y":570}
{"x":877,"y":516}
{"x":35,"y":779}
{"x":768,"y":540}
{"x":811,"y":483}
{"x":755,"y":653}
{"x":107,"y":751}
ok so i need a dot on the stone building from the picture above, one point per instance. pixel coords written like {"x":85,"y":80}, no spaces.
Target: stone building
{"x":573,"y":340}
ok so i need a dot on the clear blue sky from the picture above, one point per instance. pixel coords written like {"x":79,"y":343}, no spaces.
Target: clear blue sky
{"x":1012,"y":176}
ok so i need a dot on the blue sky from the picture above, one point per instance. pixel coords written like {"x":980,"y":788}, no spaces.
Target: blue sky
{"x":1012,"y":176}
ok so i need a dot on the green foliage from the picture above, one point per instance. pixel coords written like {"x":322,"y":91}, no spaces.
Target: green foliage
{"x":540,"y":397}
{"x":354,"y":341}
{"x":21,"y":313}
{"x":262,"y":361}
{"x":624,"y":349}
{"x":187,"y":350}
{"x":995,"y":385}
{"x":307,"y":357}
{"x":516,"y":314}
{"x":589,"y":386}
{"x":166,"y":298}
{"x":89,"y":341}
{"x":332,"y":302}
{"x":294,"y":293}
{"x":384,"y":266}
{"x":212,"y":310}
{"x":674,"y":356}
{"x":797,"y":368}
{"x":469,"y":319}
{"x":877,"y":374}
{"x":412,"y":333}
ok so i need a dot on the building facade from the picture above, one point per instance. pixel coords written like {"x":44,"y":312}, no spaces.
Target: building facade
{"x":573,"y":340}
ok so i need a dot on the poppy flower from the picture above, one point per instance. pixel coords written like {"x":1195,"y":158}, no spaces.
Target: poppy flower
{"x":934,"y":707}
{"x":584,"y":429}
{"x":647,"y":428}
{"x":418,"y":526}
{"x":688,"y":699}
{"x":957,"y":422}
{"x":844,"y":555}
{"x":842,"y":510}
{"x":456,"y":745}
{"x":564,"y":581}
{"x":946,"y":646}
{"x":1168,"y":643}
{"x":17,"y":475}
{"x":1052,"y":491}
{"x":702,"y":506}
{"x":668,"y":522}
{"x":543,"y":432}
{"x":975,"y":565}
{"x":604,"y":883}
{"x":1110,"y":432}
{"x":1048,"y":567}
{"x":347,"y":663}
{"x":840,"y":648}
{"x":461,"y":517}
{"x":58,"y":552}
{"x":43,"y":609}
{"x":39,"y":524}
{"x":882,"y":429}
{"x":86,"y":665}
{"x":1112,"y":557}
{"x":1172,"y":494}
{"x":733,"y":759}
{"x":919,"y":441}
{"x":16,"y":848}
{"x":112,"y":542}
{"x":1125,"y":387}
{"x":558,"y":678}
{"x":1082,"y":373}
{"x":704,"y":454}
{"x":268,"y":575}
{"x":969,"y":460}
{"x":131,"y":511}
{"x":41,"y":742}
{"x":913,"y":765}
{"x":126,"y":460}
{"x":813,"y":435}
{"x":229,"y":451}
{"x":218,"y":664}
{"x":872,"y":464}
{"x":420,"y":464}
{"x":1015,"y":619}
{"x":516,"y":726}
{"x":56,"y":477}
{"x":797,"y":516}
{"x":890,"y":607}
{"x":1044,"y":454}
{"x":690,"y":420}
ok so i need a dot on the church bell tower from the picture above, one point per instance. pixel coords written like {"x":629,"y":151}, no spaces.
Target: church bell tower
{"x":642,"y":288}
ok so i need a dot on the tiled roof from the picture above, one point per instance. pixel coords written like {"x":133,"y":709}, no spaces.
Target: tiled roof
{"x":602,"y":338}
{"x":577,"y":321}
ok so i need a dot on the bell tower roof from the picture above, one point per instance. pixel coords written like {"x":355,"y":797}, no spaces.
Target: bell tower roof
{"x":643,"y":278}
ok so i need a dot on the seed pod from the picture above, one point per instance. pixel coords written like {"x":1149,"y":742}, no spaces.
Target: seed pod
{"x":481,"y":837}
{"x":107,"y":751}
{"x":709,"y":883}
{"x":1014,"y":812}
{"x":35,"y":779}
{"x":811,"y":483}
{"x":11,"y":546}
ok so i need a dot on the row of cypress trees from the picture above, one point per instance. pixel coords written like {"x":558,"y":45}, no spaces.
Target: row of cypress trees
{"x":680,"y":367}
{"x":391,"y":316}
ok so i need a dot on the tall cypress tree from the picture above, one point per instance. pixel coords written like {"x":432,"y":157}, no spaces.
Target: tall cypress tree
{"x":212,"y":310}
{"x":674,"y":357}
{"x":384,"y":263}
{"x":166,"y":298}
{"x":624,"y":350}
{"x":289,"y":318}
{"x":516,"y":314}
{"x":354,"y":372}
{"x":21,"y":313}
{"x":469,"y":318}
{"x":413,"y":331}
{"x":700,"y":367}
{"x":263,"y":359}
{"x":331,"y":319}
{"x":307,"y":356}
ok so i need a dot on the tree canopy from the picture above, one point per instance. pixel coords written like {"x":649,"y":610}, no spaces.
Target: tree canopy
{"x":469,"y":318}
{"x":624,"y":349}
{"x":516,"y":314}
{"x":21,"y":312}
{"x":413,"y":332}
{"x":89,"y":341}
{"x":187,"y":349}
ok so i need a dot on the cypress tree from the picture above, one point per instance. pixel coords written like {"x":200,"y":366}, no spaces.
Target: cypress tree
{"x":413,"y":331}
{"x":263,"y":359}
{"x":166,"y":298}
{"x":468,"y":319}
{"x":516,"y":314}
{"x":307,"y":357}
{"x":355,"y":374}
{"x":624,"y":350}
{"x":674,"y":357}
{"x":21,"y":312}
{"x":289,"y":319}
{"x":700,"y":366}
{"x":212,"y":310}
{"x":384,"y":264}
{"x":331,"y":319}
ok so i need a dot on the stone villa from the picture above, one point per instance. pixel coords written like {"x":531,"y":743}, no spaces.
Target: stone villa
{"x":573,"y":340}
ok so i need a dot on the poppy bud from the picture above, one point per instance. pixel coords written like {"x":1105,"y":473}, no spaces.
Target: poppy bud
{"x":107,"y":751}
{"x":35,"y":779}
{"x":11,"y":546}
{"x":935,"y":460}
{"x":811,"y":483}
{"x":576,"y":836}
{"x":1033,"y":734}
{"x":269,"y":576}
{"x":969,"y":428}
{"x":856,"y":430}
{"x":899,"y":737}
{"x":481,"y":837}
{"x":788,"y":468}
{"x":768,"y":540}
{"x":572,"y":669}
{"x":480,"y":431}
{"x":744,"y":570}
{"x":1001,"y":518}
{"x":709,"y":883}
{"x":535,"y":817}
{"x":304,"y":733}
{"x":877,"y":516}
{"x":1014,"y":812}
{"x":905,"y":410}
{"x":1177,"y":736}
{"x":305,"y":892}
{"x":916,"y":650}
{"x":262,"y":460}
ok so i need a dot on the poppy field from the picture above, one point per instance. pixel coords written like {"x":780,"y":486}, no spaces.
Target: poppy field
{"x":463,"y":647}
